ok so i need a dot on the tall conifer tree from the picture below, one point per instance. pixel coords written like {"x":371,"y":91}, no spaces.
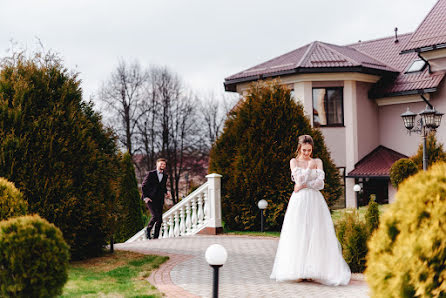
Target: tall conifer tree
{"x":130,"y":216}
{"x":54,"y":148}
{"x":253,"y":154}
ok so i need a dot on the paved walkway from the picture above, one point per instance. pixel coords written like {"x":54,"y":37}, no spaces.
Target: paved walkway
{"x":245,"y":274}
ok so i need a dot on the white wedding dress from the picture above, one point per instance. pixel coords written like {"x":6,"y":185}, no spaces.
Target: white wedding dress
{"x":308,"y":247}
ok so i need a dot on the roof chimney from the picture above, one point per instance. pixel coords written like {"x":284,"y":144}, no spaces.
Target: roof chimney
{"x":396,"y":34}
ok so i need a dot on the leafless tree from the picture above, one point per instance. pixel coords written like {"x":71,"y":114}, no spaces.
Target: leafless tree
{"x":183,"y":136}
{"x":122,"y":95}
{"x":154,"y":116}
{"x":148,"y":124}
{"x":213,"y":112}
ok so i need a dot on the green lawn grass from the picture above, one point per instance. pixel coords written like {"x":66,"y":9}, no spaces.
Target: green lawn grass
{"x":254,"y":233}
{"x":121,"y":274}
{"x":335,"y":215}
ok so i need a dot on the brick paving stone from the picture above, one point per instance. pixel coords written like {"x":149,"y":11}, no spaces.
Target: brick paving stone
{"x":245,"y":274}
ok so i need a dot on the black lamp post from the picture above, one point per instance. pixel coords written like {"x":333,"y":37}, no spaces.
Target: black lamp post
{"x":429,"y":121}
{"x":262,"y":204}
{"x":216,"y":256}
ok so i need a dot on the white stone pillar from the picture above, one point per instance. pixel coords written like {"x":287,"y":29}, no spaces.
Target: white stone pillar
{"x":214,"y":225}
{"x":351,"y":139}
{"x":392,"y":193}
{"x":303,"y":93}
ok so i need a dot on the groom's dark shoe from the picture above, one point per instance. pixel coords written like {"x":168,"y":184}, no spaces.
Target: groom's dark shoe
{"x":148,"y":233}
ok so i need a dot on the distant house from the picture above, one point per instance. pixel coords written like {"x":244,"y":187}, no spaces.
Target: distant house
{"x":356,"y":93}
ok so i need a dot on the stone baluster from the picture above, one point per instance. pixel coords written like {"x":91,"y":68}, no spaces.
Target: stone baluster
{"x":188,"y":219}
{"x":176,"y":230}
{"x":165,"y":230}
{"x":205,"y":204}
{"x":194,"y":214}
{"x":171,"y":234}
{"x":200,"y":209}
{"x":182,"y":222}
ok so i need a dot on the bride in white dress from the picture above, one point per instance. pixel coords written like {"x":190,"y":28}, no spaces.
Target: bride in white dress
{"x":308,"y":247}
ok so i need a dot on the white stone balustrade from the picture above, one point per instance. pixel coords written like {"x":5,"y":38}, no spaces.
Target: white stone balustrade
{"x":200,"y":211}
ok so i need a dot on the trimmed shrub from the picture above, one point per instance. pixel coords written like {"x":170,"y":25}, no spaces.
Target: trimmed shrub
{"x":408,"y":251}
{"x":56,"y":150}
{"x":372,"y":215}
{"x":33,"y":258}
{"x":352,"y":234}
{"x":253,"y":153}
{"x":401,"y":170}
{"x":435,"y":152}
{"x":11,"y":200}
{"x":130,"y":219}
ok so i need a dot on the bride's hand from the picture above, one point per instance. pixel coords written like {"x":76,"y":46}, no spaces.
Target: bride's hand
{"x":298,"y":187}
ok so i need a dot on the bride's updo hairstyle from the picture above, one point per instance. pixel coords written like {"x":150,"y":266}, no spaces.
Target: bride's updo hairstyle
{"x":304,"y":139}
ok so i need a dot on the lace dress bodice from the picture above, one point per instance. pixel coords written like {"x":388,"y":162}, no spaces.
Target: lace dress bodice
{"x":313,"y":178}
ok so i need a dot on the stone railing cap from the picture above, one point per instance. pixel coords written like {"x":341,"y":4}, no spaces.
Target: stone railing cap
{"x":214,"y":175}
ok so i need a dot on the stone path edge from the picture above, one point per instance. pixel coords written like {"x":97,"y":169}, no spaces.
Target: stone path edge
{"x":160,"y":277}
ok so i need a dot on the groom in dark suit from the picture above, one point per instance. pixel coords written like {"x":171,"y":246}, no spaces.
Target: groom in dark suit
{"x":153,"y":191}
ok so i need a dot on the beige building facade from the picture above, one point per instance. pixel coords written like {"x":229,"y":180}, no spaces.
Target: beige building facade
{"x":356,"y":93}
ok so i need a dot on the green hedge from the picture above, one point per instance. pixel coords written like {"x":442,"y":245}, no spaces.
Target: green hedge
{"x":11,"y":200}
{"x":33,"y":258}
{"x":407,"y":255}
{"x":129,"y":207}
{"x":56,"y":150}
{"x":401,"y":170}
{"x":353,"y":234}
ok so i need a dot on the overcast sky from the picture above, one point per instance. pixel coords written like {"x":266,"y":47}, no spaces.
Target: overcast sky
{"x":203,"y":41}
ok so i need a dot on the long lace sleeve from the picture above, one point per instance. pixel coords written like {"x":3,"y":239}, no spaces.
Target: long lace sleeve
{"x":296,"y":176}
{"x":318,"y":182}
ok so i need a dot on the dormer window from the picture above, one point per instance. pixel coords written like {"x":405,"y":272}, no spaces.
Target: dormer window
{"x":417,"y":65}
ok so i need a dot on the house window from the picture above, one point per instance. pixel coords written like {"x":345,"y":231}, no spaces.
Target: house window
{"x":328,"y":107}
{"x":417,"y":65}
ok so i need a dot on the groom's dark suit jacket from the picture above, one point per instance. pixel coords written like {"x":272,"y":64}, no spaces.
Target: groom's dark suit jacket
{"x":154,"y":189}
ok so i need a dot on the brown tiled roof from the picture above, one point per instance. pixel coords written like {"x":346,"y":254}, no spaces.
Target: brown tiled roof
{"x":311,"y":56}
{"x":377,"y":163}
{"x":388,"y":51}
{"x":431,"y":32}
{"x":381,"y":56}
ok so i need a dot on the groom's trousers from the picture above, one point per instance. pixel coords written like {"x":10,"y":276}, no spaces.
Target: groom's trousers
{"x":157,"y":218}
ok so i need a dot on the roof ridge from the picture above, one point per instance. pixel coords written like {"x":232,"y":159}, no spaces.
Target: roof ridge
{"x":304,"y":56}
{"x":393,"y":151}
{"x":378,"y":39}
{"x":339,"y":53}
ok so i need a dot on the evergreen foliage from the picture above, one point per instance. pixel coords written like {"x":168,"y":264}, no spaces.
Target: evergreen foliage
{"x":401,"y":170}
{"x":407,"y":254}
{"x":435,"y":152}
{"x":54,"y":148}
{"x":372,"y":216}
{"x":130,"y":216}
{"x":352,"y":234}
{"x":33,"y":258}
{"x":11,"y":200}
{"x":253,"y":154}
